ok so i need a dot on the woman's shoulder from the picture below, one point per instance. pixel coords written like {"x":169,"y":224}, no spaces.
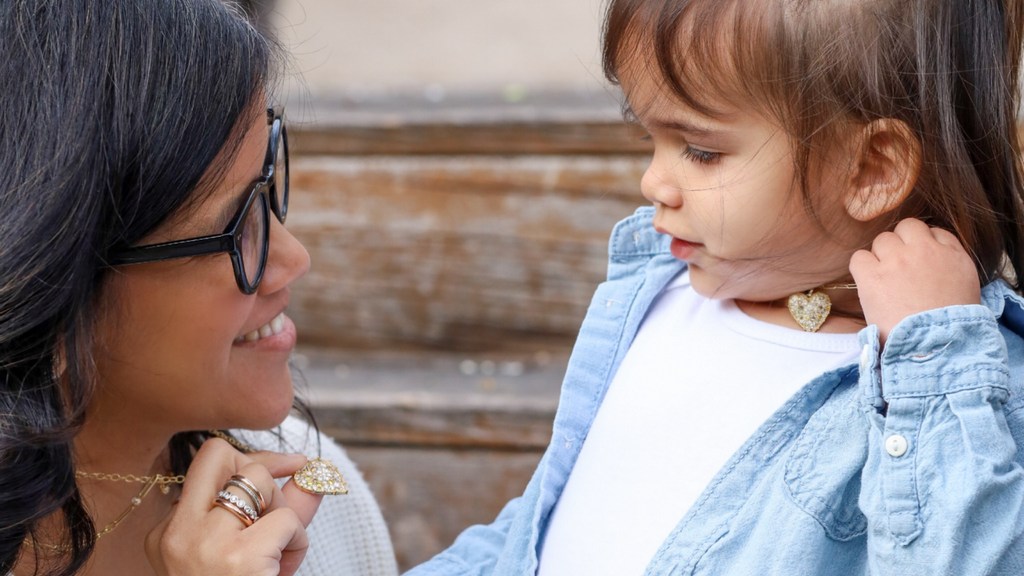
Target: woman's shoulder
{"x":348,"y":534}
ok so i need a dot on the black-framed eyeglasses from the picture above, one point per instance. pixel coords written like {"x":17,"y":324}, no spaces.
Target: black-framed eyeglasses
{"x":247,"y":236}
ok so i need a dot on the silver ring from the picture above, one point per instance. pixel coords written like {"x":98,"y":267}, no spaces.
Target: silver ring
{"x":253,"y":489}
{"x":255,"y":499}
{"x":249,"y":511}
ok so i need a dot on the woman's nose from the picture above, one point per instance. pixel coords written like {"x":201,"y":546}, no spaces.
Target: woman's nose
{"x":659,"y":184}
{"x":287,"y":260}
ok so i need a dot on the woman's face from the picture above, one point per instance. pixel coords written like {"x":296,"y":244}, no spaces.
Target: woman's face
{"x":172,"y":349}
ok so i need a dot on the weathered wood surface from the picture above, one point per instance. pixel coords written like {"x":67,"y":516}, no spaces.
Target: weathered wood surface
{"x":458,"y":253}
{"x":524,"y":429}
{"x":428,"y":496}
{"x":444,"y":439}
{"x":452,"y":264}
{"x":596,"y":138}
{"x":498,"y":402}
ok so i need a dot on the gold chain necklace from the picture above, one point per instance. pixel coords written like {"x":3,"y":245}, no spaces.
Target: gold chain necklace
{"x":150,"y":481}
{"x":810,"y":310}
{"x":244,"y":448}
{"x":164,"y":482}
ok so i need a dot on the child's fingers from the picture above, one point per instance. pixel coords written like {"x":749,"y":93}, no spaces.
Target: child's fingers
{"x":946,"y":237}
{"x":887,"y":243}
{"x":911,"y":229}
{"x":861,"y":265}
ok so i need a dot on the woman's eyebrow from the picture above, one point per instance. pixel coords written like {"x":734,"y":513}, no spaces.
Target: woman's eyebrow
{"x":231,"y":208}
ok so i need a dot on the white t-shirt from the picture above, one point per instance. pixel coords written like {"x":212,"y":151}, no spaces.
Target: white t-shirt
{"x":699,"y":379}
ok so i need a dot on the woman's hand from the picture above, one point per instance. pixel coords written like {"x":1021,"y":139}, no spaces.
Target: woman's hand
{"x":200,"y":539}
{"x":912,"y":269}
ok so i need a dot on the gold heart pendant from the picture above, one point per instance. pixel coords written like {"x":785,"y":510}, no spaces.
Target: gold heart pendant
{"x":810,"y":310}
{"x":319,"y":476}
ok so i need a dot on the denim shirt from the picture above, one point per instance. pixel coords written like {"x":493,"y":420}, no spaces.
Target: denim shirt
{"x":903,"y":463}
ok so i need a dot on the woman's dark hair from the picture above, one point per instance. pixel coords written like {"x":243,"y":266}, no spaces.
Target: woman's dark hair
{"x":948,"y":69}
{"x":111,"y":112}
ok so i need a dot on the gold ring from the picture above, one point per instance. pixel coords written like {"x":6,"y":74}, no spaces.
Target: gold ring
{"x":238,"y":512}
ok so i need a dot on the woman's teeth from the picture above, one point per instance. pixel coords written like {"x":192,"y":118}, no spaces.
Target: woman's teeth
{"x":275,"y":326}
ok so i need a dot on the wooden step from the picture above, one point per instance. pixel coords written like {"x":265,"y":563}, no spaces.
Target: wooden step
{"x":444,"y":440}
{"x":454,"y":252}
{"x":495,"y":402}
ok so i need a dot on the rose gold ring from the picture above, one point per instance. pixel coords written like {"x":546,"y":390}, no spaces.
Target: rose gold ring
{"x":238,"y":512}
{"x":250,"y":490}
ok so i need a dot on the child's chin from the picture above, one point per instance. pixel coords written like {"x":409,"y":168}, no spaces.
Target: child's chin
{"x":707,"y":285}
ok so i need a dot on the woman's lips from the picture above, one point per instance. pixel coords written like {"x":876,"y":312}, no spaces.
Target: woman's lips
{"x":682,"y":249}
{"x":281,"y":336}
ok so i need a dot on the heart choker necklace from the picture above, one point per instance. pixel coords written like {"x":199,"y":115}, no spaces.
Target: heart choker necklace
{"x":811,"y":309}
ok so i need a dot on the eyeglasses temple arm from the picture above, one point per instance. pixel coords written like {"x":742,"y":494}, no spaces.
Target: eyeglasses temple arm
{"x":173,"y":250}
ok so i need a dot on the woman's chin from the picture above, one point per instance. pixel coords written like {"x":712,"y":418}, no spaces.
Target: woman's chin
{"x":263,"y":407}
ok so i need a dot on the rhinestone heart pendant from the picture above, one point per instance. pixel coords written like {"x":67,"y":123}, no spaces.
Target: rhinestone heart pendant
{"x":319,"y":476}
{"x":810,"y":310}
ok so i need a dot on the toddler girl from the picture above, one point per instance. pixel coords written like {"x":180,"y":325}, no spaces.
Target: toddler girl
{"x":794,"y":368}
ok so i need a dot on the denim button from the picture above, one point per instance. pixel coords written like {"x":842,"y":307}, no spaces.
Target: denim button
{"x":896,"y":445}
{"x":865,"y":357}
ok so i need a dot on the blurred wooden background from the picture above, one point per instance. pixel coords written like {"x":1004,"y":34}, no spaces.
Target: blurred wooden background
{"x":453,"y":263}
{"x":457,"y":167}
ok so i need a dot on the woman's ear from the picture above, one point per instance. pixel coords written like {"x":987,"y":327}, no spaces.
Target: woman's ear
{"x":885,"y":169}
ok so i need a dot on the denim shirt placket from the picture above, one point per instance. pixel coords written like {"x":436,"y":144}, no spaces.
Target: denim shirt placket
{"x":613,"y":319}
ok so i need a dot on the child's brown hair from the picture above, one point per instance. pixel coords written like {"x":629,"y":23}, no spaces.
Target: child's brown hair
{"x":948,"y":69}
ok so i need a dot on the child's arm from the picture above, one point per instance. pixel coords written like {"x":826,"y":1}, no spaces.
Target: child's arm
{"x":941,"y":488}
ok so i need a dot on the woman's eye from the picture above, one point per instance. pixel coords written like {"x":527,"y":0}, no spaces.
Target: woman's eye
{"x":701,"y":156}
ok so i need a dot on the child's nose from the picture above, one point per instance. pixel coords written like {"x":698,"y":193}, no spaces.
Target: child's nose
{"x":660,"y":187}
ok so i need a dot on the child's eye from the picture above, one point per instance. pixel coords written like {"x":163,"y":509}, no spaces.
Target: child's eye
{"x":701,"y":156}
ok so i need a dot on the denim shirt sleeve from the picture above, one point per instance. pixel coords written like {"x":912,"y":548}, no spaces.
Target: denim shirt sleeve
{"x":941,"y":489}
{"x":475,"y":551}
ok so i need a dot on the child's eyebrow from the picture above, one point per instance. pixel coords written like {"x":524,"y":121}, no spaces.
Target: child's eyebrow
{"x":682,"y":126}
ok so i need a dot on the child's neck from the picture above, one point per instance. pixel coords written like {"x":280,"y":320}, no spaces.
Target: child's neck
{"x":846,"y":316}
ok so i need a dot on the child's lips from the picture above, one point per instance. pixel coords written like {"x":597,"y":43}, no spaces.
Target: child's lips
{"x":682,"y":249}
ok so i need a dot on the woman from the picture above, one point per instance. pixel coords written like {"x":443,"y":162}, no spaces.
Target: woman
{"x":127,"y":125}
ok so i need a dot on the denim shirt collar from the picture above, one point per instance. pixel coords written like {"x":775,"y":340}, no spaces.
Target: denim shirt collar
{"x":635,"y":237}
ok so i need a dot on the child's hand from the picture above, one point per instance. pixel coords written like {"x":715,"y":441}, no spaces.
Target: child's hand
{"x":910,"y":270}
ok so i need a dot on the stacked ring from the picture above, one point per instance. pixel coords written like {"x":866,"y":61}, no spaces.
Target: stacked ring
{"x":234,"y":509}
{"x":246,"y":485}
{"x":237,"y":505}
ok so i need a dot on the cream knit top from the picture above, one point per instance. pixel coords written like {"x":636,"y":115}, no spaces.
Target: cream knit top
{"x":347,"y":537}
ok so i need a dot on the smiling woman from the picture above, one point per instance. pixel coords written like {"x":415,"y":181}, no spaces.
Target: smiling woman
{"x":144,"y":278}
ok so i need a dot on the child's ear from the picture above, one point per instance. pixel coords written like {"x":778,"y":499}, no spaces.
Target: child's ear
{"x":886,"y":169}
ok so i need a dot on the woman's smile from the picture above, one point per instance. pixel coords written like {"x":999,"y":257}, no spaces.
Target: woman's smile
{"x":279,"y":335}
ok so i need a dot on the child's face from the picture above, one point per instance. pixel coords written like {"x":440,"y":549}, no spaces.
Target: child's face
{"x":726,"y":190}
